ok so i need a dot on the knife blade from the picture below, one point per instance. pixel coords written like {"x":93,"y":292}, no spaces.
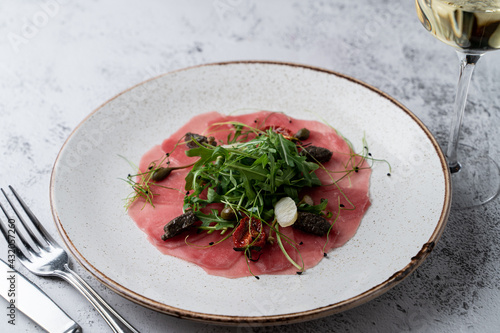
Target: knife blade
{"x":21,"y":294}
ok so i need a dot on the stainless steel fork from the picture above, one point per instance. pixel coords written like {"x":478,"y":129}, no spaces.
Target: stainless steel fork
{"x":41,"y":254}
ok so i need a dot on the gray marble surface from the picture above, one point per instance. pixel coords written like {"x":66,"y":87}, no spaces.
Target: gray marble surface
{"x":59,"y":60}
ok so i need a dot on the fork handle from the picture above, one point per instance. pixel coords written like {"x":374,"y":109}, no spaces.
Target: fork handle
{"x":114,"y":320}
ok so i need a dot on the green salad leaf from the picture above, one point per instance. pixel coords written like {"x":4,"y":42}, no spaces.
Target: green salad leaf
{"x":248,"y":176}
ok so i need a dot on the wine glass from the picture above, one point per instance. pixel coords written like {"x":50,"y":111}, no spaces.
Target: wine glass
{"x":472,"y":27}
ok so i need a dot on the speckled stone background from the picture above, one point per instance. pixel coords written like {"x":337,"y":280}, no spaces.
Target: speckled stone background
{"x":59,"y":60}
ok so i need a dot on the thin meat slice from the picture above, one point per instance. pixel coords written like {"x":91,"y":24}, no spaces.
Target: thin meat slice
{"x":348,"y":200}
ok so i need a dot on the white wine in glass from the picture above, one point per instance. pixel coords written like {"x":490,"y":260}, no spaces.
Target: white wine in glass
{"x":472,"y":27}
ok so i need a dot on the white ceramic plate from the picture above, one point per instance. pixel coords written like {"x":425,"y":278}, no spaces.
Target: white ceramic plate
{"x":408,"y":213}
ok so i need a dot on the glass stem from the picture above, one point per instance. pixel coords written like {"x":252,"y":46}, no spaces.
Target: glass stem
{"x":467,"y":64}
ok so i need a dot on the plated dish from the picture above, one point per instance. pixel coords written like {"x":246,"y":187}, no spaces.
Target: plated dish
{"x":408,"y":213}
{"x":270,"y":194}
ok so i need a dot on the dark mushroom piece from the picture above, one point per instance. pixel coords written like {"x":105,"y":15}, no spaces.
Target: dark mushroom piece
{"x":179,"y":224}
{"x":312,"y":224}
{"x":316,"y":154}
{"x":190,"y":139}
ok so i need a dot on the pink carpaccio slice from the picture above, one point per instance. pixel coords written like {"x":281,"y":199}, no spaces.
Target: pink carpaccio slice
{"x":350,"y":193}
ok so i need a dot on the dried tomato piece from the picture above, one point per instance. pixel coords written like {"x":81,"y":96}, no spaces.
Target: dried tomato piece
{"x":287,"y":134}
{"x":249,"y":234}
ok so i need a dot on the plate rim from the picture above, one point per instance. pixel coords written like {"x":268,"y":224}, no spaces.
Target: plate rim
{"x":280,"y":319}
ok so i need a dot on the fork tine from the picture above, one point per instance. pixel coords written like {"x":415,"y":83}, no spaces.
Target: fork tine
{"x":47,"y":238}
{"x":39,"y":241}
{"x":26,"y":250}
{"x":34,"y":219}
{"x":3,"y":229}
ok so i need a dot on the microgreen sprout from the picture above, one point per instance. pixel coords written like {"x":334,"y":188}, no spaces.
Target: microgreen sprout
{"x":142,"y":182}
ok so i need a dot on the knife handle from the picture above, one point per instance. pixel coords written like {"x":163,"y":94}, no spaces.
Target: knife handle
{"x":114,"y":320}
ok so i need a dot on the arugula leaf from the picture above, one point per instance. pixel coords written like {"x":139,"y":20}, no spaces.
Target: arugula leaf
{"x":212,"y":195}
{"x":213,"y":217}
{"x":262,"y":160}
{"x":318,"y":209}
{"x":249,"y":176}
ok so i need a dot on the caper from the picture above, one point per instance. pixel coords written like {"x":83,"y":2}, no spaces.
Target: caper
{"x":219,"y":161}
{"x":211,"y":141}
{"x":228,"y":214}
{"x":307,"y":200}
{"x":160,"y":174}
{"x":302,"y":134}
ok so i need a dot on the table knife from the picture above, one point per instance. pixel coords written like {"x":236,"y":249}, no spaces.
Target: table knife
{"x":21,"y":294}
